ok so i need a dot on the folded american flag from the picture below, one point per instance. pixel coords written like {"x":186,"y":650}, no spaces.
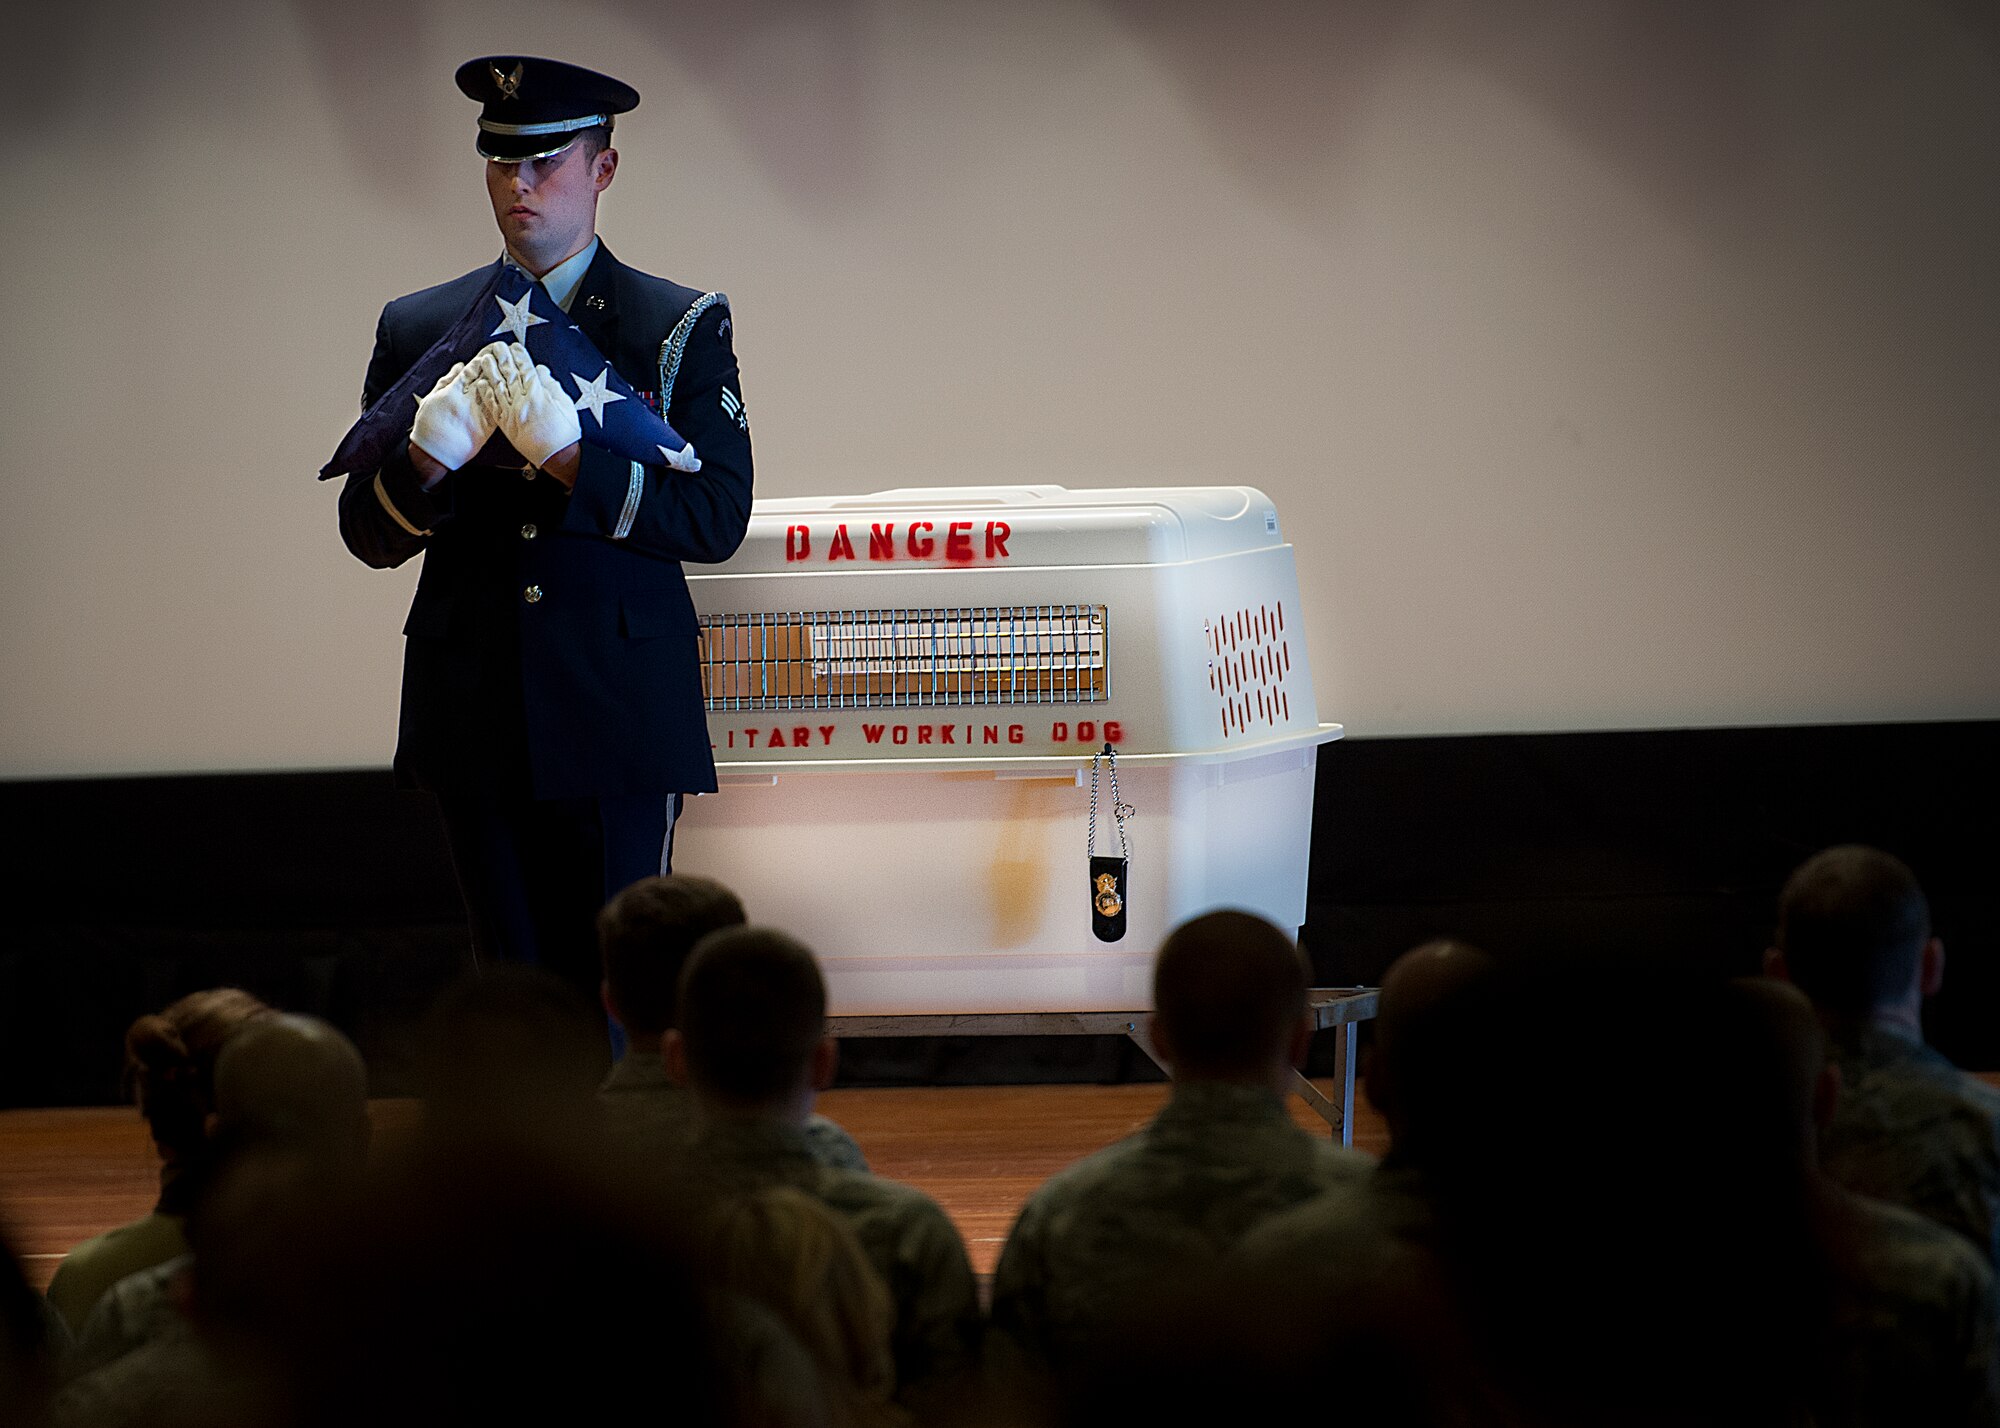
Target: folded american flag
{"x":512,"y":307}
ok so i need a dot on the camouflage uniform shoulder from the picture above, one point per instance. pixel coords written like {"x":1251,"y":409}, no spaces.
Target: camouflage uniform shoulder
{"x":135,"y":1311}
{"x":1879,"y":1066}
{"x":1358,"y":1222}
{"x":1081,"y":1179}
{"x":1336,"y":1164}
{"x":917,"y":1250}
{"x":1913,"y":1130}
{"x":91,"y":1268}
{"x":832,"y":1146}
{"x":643,"y":1111}
{"x":862,"y":1194}
{"x":1914,"y":1314}
{"x":1896,"y":1255}
{"x":1125,"y":1168}
{"x":1107,"y":1233}
{"x":1213,"y":1140}
{"x":1313,"y":1230}
{"x":1214,"y":1163}
{"x":170,"y":1378}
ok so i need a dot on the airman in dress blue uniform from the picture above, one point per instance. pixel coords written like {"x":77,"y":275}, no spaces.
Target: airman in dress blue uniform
{"x":552,"y":696}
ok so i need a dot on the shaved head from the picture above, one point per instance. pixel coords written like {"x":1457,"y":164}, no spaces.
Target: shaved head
{"x":1852,"y":924}
{"x":752,"y":1012}
{"x":1426,"y":995}
{"x":1422,"y":978}
{"x":1228,"y":991}
{"x":646,"y":934}
{"x":294,"y":1079}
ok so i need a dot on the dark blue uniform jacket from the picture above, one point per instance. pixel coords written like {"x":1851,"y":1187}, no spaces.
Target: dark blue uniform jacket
{"x":546,"y":657}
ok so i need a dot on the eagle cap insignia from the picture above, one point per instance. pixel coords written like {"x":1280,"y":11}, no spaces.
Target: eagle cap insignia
{"x":510,"y":84}
{"x":1107,"y":901}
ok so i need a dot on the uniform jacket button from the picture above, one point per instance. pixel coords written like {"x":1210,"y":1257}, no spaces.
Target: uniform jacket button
{"x":532,"y":594}
{"x":528,"y":532}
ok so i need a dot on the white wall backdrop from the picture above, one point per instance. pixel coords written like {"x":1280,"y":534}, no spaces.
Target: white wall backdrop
{"x":1612,"y":364}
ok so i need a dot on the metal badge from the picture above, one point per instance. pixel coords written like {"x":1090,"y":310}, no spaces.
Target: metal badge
{"x":1109,"y":889}
{"x":1107,"y":897}
{"x":594,"y":302}
{"x":510,"y":84}
{"x":1110,"y":900}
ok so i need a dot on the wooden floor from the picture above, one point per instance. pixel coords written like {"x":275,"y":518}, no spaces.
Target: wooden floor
{"x":978,"y":1150}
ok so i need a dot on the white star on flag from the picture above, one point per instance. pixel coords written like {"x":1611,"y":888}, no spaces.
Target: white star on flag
{"x":591,"y":396}
{"x":518,"y":319}
{"x":684,"y":460}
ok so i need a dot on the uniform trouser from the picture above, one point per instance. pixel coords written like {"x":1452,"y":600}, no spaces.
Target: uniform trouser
{"x":534,"y":874}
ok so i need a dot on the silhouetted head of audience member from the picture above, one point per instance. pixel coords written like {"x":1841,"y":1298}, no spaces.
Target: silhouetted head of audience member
{"x":515,"y":1051}
{"x":1229,"y":1001}
{"x":1767,"y":1044}
{"x":1429,"y":998}
{"x":1854,"y":934}
{"x":751,"y":1035}
{"x":1573,"y":1074}
{"x":288,"y":1138}
{"x":645,"y":934}
{"x":294,"y":1080}
{"x":1619,"y":1162}
{"x":252,"y":1228}
{"x":489,"y":1283}
{"x":170,"y":1066}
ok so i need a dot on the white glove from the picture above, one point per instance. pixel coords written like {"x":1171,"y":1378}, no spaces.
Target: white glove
{"x":452,"y":424}
{"x":524,"y":402}
{"x":482,"y":359}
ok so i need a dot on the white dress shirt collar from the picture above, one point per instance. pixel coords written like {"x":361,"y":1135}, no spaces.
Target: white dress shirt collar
{"x":562,"y":280}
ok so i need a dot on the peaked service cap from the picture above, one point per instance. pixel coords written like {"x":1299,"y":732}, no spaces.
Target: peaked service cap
{"x":534,"y":108}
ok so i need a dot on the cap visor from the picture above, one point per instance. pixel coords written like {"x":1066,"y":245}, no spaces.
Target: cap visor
{"x":513,"y":148}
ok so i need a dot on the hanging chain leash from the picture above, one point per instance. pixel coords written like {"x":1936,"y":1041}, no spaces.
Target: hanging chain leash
{"x":1108,"y":758}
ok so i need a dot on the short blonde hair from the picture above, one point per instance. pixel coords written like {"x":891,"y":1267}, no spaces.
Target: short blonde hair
{"x":785,"y":1249}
